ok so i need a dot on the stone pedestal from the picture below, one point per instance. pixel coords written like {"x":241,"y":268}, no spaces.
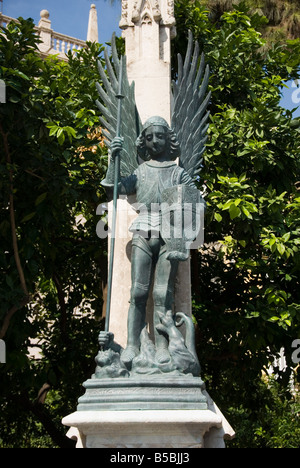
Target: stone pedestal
{"x":142,"y":429}
{"x":182,"y":429}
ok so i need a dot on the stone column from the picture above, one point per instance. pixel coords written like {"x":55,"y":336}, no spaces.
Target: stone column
{"x":121,"y":280}
{"x":92,"y":34}
{"x":148,"y":26}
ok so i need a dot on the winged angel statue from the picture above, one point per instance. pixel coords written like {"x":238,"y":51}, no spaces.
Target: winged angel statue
{"x":165,"y":190}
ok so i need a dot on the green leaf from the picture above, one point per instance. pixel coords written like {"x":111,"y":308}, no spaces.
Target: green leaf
{"x":28,"y":217}
{"x":234,"y":211}
{"x":61,"y":136}
{"x":70,"y":131}
{"x":218,"y":217}
{"x":227,"y":205}
{"x":41,"y":198}
{"x":281,"y":248}
{"x":19,"y":73}
{"x":274,"y":319}
{"x":53,"y":130}
{"x":9,"y":281}
{"x":246,"y":212}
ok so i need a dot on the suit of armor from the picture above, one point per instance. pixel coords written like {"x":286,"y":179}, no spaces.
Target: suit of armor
{"x":149,"y":252}
{"x":163,"y":189}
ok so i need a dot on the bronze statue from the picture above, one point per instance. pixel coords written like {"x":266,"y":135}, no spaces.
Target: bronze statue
{"x":147,"y":167}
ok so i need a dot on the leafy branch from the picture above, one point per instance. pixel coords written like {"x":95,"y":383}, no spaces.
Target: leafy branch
{"x":20,"y":270}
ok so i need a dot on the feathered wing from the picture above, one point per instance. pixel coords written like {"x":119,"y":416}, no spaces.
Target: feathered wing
{"x":190,"y":114}
{"x":130,"y":120}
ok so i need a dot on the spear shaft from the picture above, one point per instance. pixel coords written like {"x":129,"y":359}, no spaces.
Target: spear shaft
{"x":119,"y":96}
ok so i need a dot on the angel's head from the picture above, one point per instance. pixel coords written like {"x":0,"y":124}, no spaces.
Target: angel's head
{"x":158,"y":141}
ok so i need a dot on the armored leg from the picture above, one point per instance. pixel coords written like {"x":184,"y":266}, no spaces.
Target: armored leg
{"x":141,"y":271}
{"x":163,"y":296}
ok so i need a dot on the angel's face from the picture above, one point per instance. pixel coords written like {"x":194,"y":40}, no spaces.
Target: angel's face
{"x":156,"y":141}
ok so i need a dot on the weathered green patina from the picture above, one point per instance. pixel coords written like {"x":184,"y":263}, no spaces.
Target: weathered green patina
{"x":166,"y":225}
{"x":151,"y":254}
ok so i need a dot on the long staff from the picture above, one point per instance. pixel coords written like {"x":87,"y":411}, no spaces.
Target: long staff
{"x":119,"y":96}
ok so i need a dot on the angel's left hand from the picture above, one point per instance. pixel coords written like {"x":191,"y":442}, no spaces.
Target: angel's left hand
{"x":105,"y":339}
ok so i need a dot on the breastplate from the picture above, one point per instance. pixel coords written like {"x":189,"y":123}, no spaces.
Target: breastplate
{"x":153,"y":179}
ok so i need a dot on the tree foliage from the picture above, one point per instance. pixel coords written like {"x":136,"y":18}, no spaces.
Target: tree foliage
{"x":283,"y":16}
{"x":246,"y":277}
{"x":52,"y":264}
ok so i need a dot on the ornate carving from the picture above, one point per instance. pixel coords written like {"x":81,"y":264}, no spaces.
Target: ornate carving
{"x":133,"y":13}
{"x":170,"y":12}
{"x":146,"y":19}
{"x":124,"y":15}
{"x":136,"y":11}
{"x":156,"y":10}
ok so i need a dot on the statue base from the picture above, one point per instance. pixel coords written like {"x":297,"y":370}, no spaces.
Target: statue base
{"x":143,"y":393}
{"x":144,"y":429}
{"x":140,"y":412}
{"x":151,"y":406}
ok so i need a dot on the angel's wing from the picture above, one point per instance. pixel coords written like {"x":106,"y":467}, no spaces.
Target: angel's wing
{"x":190,"y":114}
{"x":131,"y":123}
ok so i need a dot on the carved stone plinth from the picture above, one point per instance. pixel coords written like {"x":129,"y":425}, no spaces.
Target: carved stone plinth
{"x":143,"y":393}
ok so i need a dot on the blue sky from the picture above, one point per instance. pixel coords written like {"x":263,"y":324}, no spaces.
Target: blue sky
{"x":71,"y":17}
{"x":291,"y":98}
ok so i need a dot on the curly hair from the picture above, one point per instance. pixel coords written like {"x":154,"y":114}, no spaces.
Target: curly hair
{"x":172,"y":140}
